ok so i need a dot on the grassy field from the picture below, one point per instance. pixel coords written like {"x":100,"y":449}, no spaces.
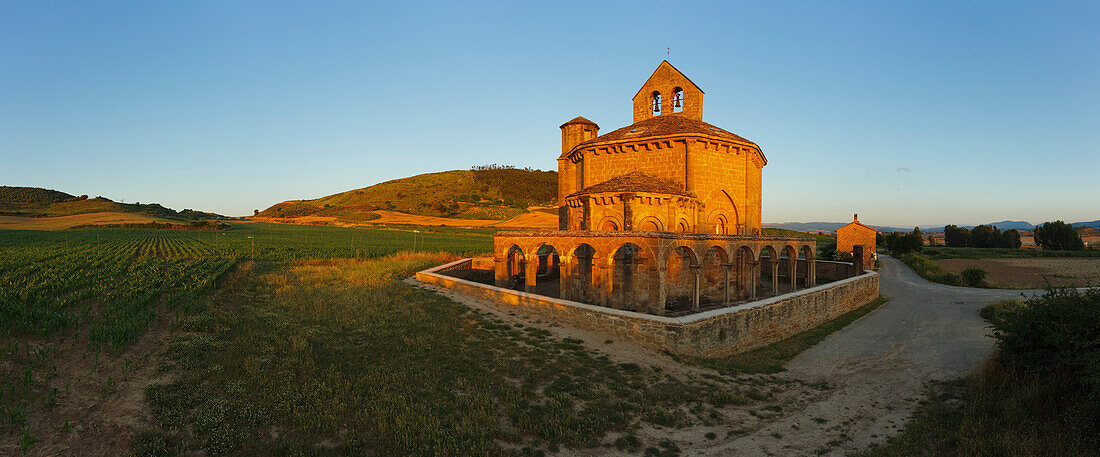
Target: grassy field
{"x":305,"y":344}
{"x":98,"y":291}
{"x":490,"y":193}
{"x":338,"y":357}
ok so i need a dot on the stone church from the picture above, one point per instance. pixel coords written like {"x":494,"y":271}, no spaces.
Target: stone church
{"x":662,"y":216}
{"x":668,"y":171}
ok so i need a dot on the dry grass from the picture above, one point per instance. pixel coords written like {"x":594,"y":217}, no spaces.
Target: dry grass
{"x":64,"y":222}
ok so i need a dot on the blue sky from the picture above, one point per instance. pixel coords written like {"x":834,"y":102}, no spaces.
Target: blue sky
{"x":907,"y":113}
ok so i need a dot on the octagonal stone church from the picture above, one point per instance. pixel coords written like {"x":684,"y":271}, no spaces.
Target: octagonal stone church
{"x":662,"y":216}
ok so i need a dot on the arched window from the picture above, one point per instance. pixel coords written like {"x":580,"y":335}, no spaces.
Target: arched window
{"x":720,"y":226}
{"x":656,"y":100}
{"x":677,"y":100}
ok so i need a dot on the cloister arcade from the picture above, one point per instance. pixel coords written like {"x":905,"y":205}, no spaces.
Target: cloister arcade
{"x":659,"y":273}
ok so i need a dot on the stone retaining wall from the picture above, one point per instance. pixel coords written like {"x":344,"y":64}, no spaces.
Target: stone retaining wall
{"x":710,"y":333}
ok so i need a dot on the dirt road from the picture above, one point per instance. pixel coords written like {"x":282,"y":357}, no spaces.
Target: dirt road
{"x":877,"y":369}
{"x":879,"y":366}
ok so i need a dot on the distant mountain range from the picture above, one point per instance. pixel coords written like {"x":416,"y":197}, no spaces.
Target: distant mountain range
{"x":832,"y":226}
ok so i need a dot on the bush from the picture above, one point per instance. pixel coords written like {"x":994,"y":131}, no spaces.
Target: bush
{"x":1055,"y":338}
{"x":998,"y":312}
{"x":974,"y":276}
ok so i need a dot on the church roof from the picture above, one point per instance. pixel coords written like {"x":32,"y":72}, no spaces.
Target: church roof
{"x":635,"y":181}
{"x":668,"y":124}
{"x":666,"y":64}
{"x":580,"y":120}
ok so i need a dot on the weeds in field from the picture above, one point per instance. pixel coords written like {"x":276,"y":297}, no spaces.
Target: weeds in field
{"x":341,"y":354}
{"x":107,"y":286}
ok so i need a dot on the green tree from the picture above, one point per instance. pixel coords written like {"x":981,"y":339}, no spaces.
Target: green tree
{"x":1058,"y":236}
{"x":955,"y":236}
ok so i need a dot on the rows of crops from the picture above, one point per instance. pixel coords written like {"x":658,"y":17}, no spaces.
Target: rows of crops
{"x":108,"y":284}
{"x":50,"y":280}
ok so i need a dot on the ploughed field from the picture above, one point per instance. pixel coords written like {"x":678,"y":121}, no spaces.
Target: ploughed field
{"x":1033,"y":272}
{"x":272,"y":339}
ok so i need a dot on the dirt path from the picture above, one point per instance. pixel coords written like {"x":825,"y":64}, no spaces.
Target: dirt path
{"x":878,"y":368}
{"x":880,"y":365}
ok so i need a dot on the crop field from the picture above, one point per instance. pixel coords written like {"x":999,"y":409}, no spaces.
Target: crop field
{"x":103,"y":288}
{"x":270,"y":339}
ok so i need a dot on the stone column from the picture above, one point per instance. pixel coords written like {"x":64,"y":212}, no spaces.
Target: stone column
{"x":811,"y":272}
{"x":727,"y":268}
{"x":530,"y":274}
{"x":792,"y":266}
{"x":752,"y":279}
{"x":662,"y":290}
{"x":628,"y":212}
{"x":565,"y":278}
{"x":696,"y":272}
{"x":500,"y":272}
{"x":775,"y":277}
{"x":601,"y":283}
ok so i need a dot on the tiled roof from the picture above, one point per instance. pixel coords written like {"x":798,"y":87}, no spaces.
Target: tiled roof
{"x":668,"y":124}
{"x":858,"y":224}
{"x":580,"y":120}
{"x":635,"y":181}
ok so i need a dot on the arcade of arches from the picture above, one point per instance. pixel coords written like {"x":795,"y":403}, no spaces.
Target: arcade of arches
{"x":658,"y":273}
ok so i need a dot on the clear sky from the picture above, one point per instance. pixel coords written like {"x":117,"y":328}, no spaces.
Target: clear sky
{"x":907,"y":113}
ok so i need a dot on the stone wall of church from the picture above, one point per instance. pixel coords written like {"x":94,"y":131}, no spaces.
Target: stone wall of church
{"x":710,"y":334}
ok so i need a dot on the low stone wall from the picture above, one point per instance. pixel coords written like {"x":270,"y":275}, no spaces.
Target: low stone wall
{"x":711,"y":333}
{"x":835,"y":270}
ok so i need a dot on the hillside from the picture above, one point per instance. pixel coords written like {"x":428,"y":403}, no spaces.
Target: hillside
{"x":483,"y":193}
{"x":38,"y":202}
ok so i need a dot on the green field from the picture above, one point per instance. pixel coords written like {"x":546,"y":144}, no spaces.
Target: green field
{"x":270,"y":339}
{"x":307,"y":343}
{"x":106,"y":287}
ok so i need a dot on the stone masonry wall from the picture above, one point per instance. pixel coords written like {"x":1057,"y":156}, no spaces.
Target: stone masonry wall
{"x":853,"y":234}
{"x":711,"y":333}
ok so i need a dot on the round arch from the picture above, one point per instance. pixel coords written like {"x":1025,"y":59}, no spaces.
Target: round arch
{"x":515,"y":267}
{"x":628,"y":278}
{"x":720,"y":204}
{"x":683,"y":226}
{"x":609,"y":224}
{"x":650,"y":224}
{"x":579,"y":284}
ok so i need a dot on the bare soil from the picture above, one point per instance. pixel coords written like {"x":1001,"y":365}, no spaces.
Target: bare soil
{"x":1033,"y":272}
{"x":100,"y":399}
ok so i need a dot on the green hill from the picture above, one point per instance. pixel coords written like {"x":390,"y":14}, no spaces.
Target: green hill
{"x":492,"y":192}
{"x":38,"y":202}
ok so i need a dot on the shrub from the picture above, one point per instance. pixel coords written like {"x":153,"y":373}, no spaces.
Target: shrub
{"x":974,"y":276}
{"x":998,"y":312}
{"x":1054,"y":337}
